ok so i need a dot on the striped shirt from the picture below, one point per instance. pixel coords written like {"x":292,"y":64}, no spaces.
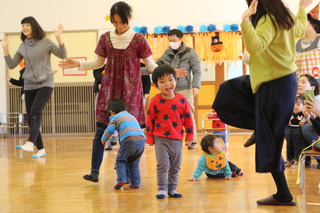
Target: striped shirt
{"x":126,"y":125}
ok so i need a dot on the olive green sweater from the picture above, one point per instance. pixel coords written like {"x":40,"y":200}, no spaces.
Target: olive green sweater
{"x":272,"y":53}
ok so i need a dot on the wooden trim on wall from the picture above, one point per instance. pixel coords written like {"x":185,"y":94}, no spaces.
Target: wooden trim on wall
{"x":219,"y":75}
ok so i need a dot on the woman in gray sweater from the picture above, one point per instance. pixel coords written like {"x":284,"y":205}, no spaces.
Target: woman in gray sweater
{"x":36,"y":50}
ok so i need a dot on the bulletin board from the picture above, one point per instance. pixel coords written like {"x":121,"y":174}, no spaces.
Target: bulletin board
{"x":74,"y":71}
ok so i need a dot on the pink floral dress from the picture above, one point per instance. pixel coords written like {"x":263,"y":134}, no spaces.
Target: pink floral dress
{"x":122,"y":78}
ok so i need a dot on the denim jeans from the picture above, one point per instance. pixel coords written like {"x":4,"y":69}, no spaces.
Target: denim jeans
{"x":309,"y":135}
{"x":128,"y":157}
{"x":97,"y":149}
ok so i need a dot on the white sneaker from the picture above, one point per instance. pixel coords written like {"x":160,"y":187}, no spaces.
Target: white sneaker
{"x":193,"y":145}
{"x":40,"y":153}
{"x":26,"y":147}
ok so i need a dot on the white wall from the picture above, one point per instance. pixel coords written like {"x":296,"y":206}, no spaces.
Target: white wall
{"x":84,"y":14}
{"x":88,"y":15}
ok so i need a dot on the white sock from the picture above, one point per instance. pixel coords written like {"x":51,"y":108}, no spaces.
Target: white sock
{"x":40,"y":153}
{"x":162,"y":192}
{"x":28,"y":146}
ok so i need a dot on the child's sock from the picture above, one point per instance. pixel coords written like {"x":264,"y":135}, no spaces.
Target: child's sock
{"x":240,"y":173}
{"x":161,"y":194}
{"x":119,"y":185}
{"x":174,"y":193}
{"x":295,"y":165}
{"x":289,"y":163}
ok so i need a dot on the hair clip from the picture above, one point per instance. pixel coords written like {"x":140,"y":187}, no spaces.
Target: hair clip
{"x":107,"y":18}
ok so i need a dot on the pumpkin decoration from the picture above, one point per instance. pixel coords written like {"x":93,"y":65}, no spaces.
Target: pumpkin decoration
{"x":216,"y":45}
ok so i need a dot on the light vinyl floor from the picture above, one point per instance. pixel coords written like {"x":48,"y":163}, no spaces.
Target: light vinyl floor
{"x":55,"y":183}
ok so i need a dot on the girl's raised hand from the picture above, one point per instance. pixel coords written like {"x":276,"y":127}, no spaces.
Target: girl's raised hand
{"x":58,"y":32}
{"x":252,"y":9}
{"x":5,"y":42}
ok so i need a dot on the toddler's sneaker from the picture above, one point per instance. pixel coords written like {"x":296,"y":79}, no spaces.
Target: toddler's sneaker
{"x":239,"y":173}
{"x":28,"y":146}
{"x":119,"y":185}
{"x":109,"y":147}
{"x":161,"y":194}
{"x":174,"y":193}
{"x":193,"y":145}
{"x":40,"y":153}
{"x":234,"y":174}
{"x":114,"y":140}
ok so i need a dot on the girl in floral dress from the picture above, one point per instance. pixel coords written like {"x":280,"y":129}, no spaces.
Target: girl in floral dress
{"x":123,"y":48}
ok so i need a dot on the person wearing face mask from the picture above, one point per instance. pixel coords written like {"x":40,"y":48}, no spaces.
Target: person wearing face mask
{"x":178,"y":55}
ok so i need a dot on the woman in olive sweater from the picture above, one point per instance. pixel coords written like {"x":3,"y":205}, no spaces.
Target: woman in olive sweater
{"x":264,"y":100}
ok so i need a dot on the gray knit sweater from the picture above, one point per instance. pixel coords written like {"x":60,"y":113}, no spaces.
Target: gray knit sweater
{"x":36,"y":55}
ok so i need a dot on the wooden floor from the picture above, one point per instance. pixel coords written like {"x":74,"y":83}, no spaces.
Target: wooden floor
{"x":55,"y":183}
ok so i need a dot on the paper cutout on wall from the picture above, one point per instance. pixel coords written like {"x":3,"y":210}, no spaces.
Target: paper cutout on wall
{"x":216,"y":44}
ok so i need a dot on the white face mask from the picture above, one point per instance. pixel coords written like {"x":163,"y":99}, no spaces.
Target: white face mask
{"x":175,"y":45}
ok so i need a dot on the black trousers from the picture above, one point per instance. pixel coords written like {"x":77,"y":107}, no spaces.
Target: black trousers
{"x":36,"y":100}
{"x":267,"y":112}
{"x":295,"y":142}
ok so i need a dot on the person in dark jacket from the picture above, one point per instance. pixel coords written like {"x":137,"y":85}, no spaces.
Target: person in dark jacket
{"x":312,"y":109}
{"x":20,"y":82}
